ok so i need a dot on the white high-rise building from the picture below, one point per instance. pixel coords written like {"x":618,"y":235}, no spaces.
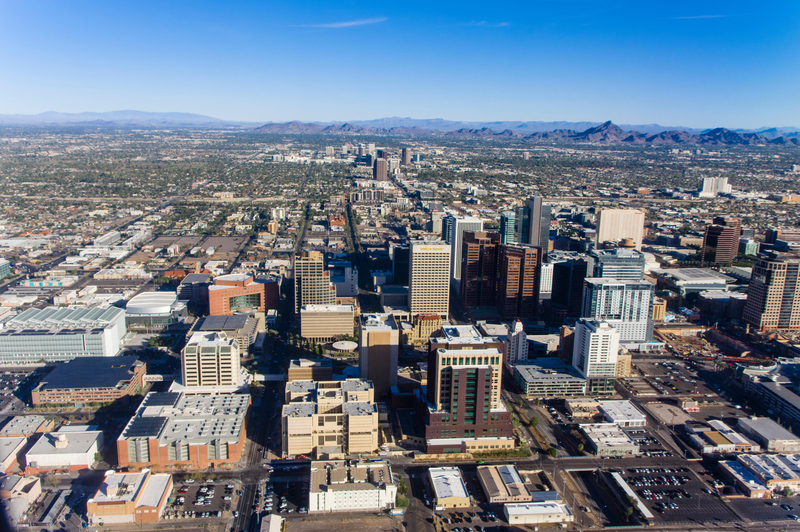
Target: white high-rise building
{"x":458,"y":226}
{"x":614,"y":225}
{"x":625,"y":305}
{"x":595,"y":350}
{"x":429,"y":278}
{"x":713,"y":186}
{"x":517,"y":342}
{"x":546,"y":279}
{"x":210,"y":359}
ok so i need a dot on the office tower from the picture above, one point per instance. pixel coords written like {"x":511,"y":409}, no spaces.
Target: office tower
{"x":771,"y":236}
{"x":621,"y":264}
{"x":518,"y":281}
{"x":721,"y":240}
{"x":508,"y":233}
{"x":526,"y":155}
{"x":383,"y":153}
{"x":400,"y":264}
{"x":713,"y":186}
{"x":464,"y":410}
{"x":405,"y":157}
{"x":479,"y":269}
{"x":436,"y":221}
{"x":210,"y":359}
{"x":312,"y":282}
{"x":429,"y":278}
{"x":371,"y":147}
{"x":614,"y":225}
{"x":458,"y":226}
{"x":517,"y":344}
{"x":379,"y":170}
{"x":625,"y":305}
{"x":567,"y":294}
{"x":545,"y":280}
{"x":773,"y":298}
{"x":379,"y":342}
{"x":538,"y":223}
{"x":361,"y":150}
{"x":594,"y":354}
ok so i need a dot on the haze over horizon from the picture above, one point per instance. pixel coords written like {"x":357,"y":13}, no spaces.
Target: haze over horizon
{"x":687,"y":64}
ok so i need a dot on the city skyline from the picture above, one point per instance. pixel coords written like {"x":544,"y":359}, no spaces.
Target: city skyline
{"x":712,"y":65}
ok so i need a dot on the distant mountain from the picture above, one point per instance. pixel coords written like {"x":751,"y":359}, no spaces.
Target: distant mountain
{"x":119,"y":118}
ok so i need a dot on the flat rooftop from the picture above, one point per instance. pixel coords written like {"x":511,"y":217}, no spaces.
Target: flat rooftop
{"x":502,"y":481}
{"x":76,"y":443}
{"x":11,"y":445}
{"x":378,"y":322}
{"x":779,"y":467}
{"x":339,"y":475}
{"x":447,"y":482}
{"x":549,"y":371}
{"x":326,"y":308}
{"x":23,"y":425}
{"x":767,"y":429}
{"x":537,"y":508}
{"x":91,"y":372}
{"x":222,"y":323}
{"x":622,"y":411}
{"x":57,"y":318}
{"x":607,"y":435}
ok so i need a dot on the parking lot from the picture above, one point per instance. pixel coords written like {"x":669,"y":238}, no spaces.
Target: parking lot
{"x":677,"y":495}
{"x":286,"y":490}
{"x":203,"y":499}
{"x":767,"y":510}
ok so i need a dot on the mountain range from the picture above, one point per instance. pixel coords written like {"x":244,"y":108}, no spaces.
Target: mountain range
{"x":606,"y":132}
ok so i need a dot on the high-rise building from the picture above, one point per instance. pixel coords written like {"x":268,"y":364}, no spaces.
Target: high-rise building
{"x":567,"y":295}
{"x":5,"y":268}
{"x":458,"y":226}
{"x":312,"y":281}
{"x":210,"y":359}
{"x":518,"y":281}
{"x":479,"y":269}
{"x":379,"y":342}
{"x":429,"y":278}
{"x":508,"y":229}
{"x":546,"y":280}
{"x":773,"y":298}
{"x":614,"y":225}
{"x":379,"y":170}
{"x":538,"y":223}
{"x":383,"y":153}
{"x":464,"y":411}
{"x":594,"y":354}
{"x":721,"y":240}
{"x":621,"y":264}
{"x":436,"y":221}
{"x":400,"y":257}
{"x":625,"y":305}
{"x":517,"y":344}
{"x":405,"y":157}
{"x":713,"y":186}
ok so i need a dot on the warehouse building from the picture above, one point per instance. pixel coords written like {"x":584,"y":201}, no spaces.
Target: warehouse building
{"x":449,"y":490}
{"x":91,"y":380}
{"x":537,"y":513}
{"x":177,"y":431}
{"x":622,"y":413}
{"x":138,"y":498}
{"x":341,"y":486}
{"x":56,"y":334}
{"x":771,"y":436}
{"x":502,"y":483}
{"x":744,"y":480}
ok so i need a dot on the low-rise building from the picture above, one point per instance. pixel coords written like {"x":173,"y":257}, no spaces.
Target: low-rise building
{"x":10,"y":452}
{"x":772,"y":437}
{"x":26,"y":426}
{"x":310,"y":369}
{"x":718,"y":437}
{"x":91,"y":380}
{"x":607,"y":439}
{"x":449,"y":490}
{"x":129,"y":498}
{"x":325,"y":323}
{"x":178,"y":431}
{"x":537,"y":513}
{"x":744,"y":480}
{"x":503,"y":484}
{"x":549,"y":377}
{"x":272,"y":523}
{"x":329,"y":419}
{"x":16,"y":486}
{"x":64,"y":450}
{"x":341,"y":486}
{"x":241,"y":328}
{"x":154,"y":312}
{"x":775,"y":471}
{"x":242,"y":291}
{"x":622,"y":414}
{"x":583,"y":408}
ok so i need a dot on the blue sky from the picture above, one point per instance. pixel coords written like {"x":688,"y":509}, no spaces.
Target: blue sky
{"x":698,"y":63}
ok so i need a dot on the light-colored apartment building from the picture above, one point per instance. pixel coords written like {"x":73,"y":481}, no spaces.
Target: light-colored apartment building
{"x":324,"y":323}
{"x":210,"y":359}
{"x":312,"y":281}
{"x":329,"y":419}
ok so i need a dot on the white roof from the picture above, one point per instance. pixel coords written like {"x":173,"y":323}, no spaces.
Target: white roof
{"x":152,"y":303}
{"x":447,"y":482}
{"x":326,"y":308}
{"x":77,"y":442}
{"x":154,"y":490}
{"x":621,"y":411}
{"x":536,"y":508}
{"x":9,"y":446}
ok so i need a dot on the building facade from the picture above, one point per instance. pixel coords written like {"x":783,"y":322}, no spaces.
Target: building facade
{"x":312,"y":282}
{"x":774,"y":293}
{"x":594,"y":354}
{"x":479,"y":269}
{"x":621,"y":264}
{"x":518,"y":272}
{"x":625,"y":305}
{"x":429,"y":278}
{"x":210,"y":359}
{"x":240,"y":291}
{"x":379,"y":343}
{"x":614,"y":225}
{"x":91,"y":380}
{"x":325,"y":323}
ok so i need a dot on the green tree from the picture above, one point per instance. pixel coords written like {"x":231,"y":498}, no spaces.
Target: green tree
{"x":551,"y":452}
{"x":402,"y":488}
{"x":402,"y":502}
{"x":534,"y":422}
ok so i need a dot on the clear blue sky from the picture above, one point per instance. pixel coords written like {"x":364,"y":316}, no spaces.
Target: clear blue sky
{"x":700,"y":63}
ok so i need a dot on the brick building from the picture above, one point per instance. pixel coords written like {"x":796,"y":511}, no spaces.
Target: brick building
{"x":242,"y":291}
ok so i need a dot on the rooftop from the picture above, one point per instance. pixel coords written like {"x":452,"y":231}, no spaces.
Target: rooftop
{"x":23,"y":425}
{"x":549,"y":369}
{"x":326,"y":308}
{"x":75,"y":443}
{"x":57,"y":318}
{"x":209,"y":339}
{"x":767,"y":429}
{"x":537,"y":508}
{"x":10,"y":445}
{"x":91,"y":372}
{"x":222,"y":323}
{"x":622,"y":411}
{"x":447,"y":482}
{"x":502,"y":481}
{"x":378,"y":322}
{"x":607,"y":435}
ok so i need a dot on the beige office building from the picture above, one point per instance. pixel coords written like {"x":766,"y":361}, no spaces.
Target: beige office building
{"x":614,"y":225}
{"x":429,"y":278}
{"x":210,"y":359}
{"x":330,"y":419}
{"x":377,"y":353}
{"x":312,"y":281}
{"x":324,"y":323}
